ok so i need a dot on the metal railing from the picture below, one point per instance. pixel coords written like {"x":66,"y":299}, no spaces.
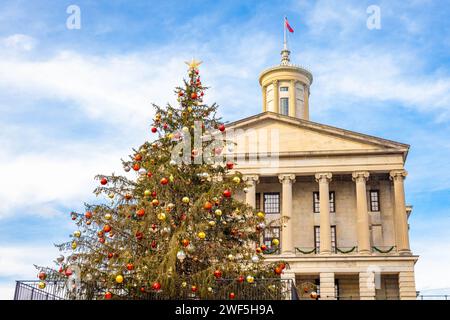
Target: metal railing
{"x":260,"y":289}
{"x":433,"y":297}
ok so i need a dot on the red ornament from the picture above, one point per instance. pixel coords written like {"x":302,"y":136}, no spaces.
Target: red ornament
{"x":258,"y":250}
{"x":103,"y":181}
{"x":128,"y":196}
{"x":180,"y":93}
{"x":130,"y":266}
{"x":222,"y":127}
{"x":185,"y":242}
{"x":232,"y":295}
{"x":165,"y":126}
{"x":139,"y":235}
{"x":108,"y":295}
{"x":227,"y":193}
{"x":107,"y":228}
{"x":42,"y":275}
{"x":142,"y":289}
{"x":282,"y":265}
{"x":164,"y":181}
{"x":278,"y":270}
{"x":88,"y":214}
{"x":138,"y":157}
{"x":149,"y":174}
{"x":241,"y":279}
{"x":263,"y":247}
{"x":110,"y":255}
{"x":154,"y":194}
{"x":154,"y":129}
{"x":100,"y":234}
{"x":136,"y":167}
{"x":140,"y":212}
{"x":68,"y":272}
{"x":153,"y":244}
{"x":218,"y":274}
{"x":230,"y":165}
{"x":194,"y":95}
{"x":156,"y":286}
{"x":101,"y":240}
{"x":194,"y":288}
{"x":207,"y":206}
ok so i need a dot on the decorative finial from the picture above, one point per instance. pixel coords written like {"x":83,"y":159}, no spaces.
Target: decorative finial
{"x":193,"y":64}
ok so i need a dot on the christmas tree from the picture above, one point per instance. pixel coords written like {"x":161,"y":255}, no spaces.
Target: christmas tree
{"x":175,"y":231}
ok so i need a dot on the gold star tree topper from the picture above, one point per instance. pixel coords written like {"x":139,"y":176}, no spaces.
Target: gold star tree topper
{"x":194,"y":63}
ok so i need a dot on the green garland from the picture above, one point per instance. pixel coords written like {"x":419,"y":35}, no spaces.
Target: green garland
{"x":346,"y":251}
{"x":306,"y":252}
{"x":383,"y":251}
{"x":271,"y":251}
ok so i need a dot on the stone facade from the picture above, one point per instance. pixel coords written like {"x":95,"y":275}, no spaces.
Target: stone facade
{"x":336,"y":196}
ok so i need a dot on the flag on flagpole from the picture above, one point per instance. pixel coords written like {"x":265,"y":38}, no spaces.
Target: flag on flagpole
{"x":288,"y":26}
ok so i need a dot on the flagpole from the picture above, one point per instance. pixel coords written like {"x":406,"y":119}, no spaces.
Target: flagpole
{"x":285,"y":39}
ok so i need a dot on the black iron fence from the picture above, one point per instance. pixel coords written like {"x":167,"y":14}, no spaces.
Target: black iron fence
{"x":261,"y":289}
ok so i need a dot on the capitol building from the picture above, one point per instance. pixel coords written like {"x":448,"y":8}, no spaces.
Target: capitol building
{"x":334,"y":198}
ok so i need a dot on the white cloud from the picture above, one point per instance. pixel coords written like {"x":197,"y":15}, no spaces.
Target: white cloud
{"x":19,"y":41}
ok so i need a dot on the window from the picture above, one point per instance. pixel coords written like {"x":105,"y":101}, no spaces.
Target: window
{"x":258,"y":201}
{"x":317,"y":238}
{"x":316,"y":202}
{"x":284,"y":106}
{"x":374,"y":200}
{"x":272,"y":202}
{"x":284,"y":88}
{"x":270,"y":234}
{"x":332,"y":202}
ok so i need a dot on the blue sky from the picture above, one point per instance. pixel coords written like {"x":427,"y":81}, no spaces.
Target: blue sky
{"x":73,"y":102}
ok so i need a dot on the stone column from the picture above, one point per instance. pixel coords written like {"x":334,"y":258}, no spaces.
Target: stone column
{"x":367,"y":286}
{"x":287,"y":243}
{"x":362,"y":216}
{"x":276,"y":99}
{"x":327,"y":286}
{"x":264,"y":94}
{"x":292,"y":101}
{"x":306,"y":103}
{"x":250,"y":196}
{"x":400,"y":218}
{"x":407,"y":285}
{"x":325,"y":228}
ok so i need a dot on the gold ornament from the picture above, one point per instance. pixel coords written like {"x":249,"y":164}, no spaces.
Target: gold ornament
{"x":77,"y":233}
{"x":108,"y":216}
{"x":119,"y":279}
{"x":147,"y":193}
{"x":275,"y":242}
{"x":111,"y":195}
{"x":74,"y":245}
{"x":250,"y":279}
{"x":201,"y":235}
{"x":218,"y":212}
{"x":236,"y":180}
{"x":261,"y":215}
{"x":184,"y":284}
{"x":42,"y":285}
{"x":161,"y":216}
{"x":212,"y":223}
{"x":189,"y":109}
{"x":185,"y":199}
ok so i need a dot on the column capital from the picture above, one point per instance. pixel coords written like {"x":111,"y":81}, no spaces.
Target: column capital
{"x":323,"y":177}
{"x":251,"y":178}
{"x":360,"y":176}
{"x":398,"y":174}
{"x":274,"y":82}
{"x":286,"y":178}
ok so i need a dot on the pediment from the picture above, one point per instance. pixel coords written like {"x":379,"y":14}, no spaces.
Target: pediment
{"x":294,"y":135}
